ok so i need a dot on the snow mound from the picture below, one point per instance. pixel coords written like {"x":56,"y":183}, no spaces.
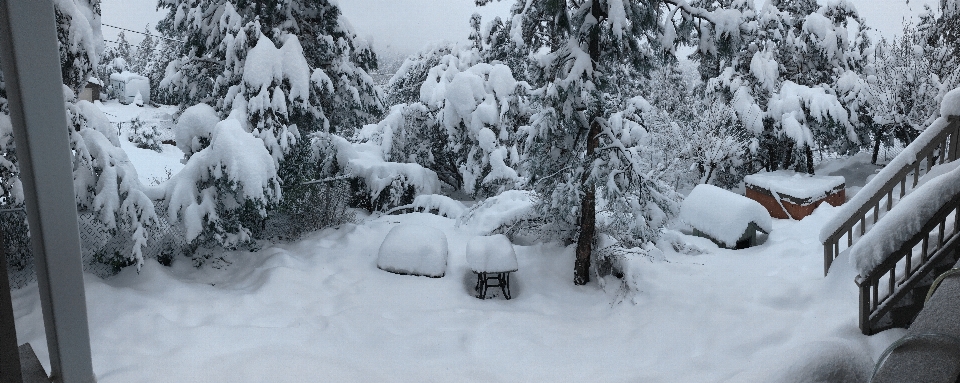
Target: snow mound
{"x":950,"y":106}
{"x":903,"y":221}
{"x":721,"y":214}
{"x":798,"y":185}
{"x":502,"y":210}
{"x":414,"y":250}
{"x":491,"y":254}
{"x":829,"y":361}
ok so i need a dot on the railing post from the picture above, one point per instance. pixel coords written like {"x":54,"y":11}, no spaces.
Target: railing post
{"x":864,"y":316}
{"x":954,"y":121}
{"x":34,"y":84}
{"x":827,"y":256}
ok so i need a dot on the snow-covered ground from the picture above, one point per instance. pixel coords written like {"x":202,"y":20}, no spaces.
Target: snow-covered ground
{"x":152,"y":167}
{"x":320,"y":310}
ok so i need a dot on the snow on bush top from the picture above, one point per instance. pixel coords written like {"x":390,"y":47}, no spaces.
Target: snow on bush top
{"x":799,"y":185}
{"x":903,"y":221}
{"x":266,"y":63}
{"x":414,"y":250}
{"x":721,"y":214}
{"x":234,"y":155}
{"x":491,"y":254}
{"x":506,"y":208}
{"x":196,"y":122}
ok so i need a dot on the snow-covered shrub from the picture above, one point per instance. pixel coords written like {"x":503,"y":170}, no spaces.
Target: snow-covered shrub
{"x":194,"y":129}
{"x":434,"y":203}
{"x":463,"y":124}
{"x":222,"y":194}
{"x":145,"y":136}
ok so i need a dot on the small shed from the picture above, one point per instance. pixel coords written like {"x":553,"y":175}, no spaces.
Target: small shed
{"x":728,"y":219}
{"x":791,"y":195}
{"x":91,"y":91}
{"x":126,"y":85}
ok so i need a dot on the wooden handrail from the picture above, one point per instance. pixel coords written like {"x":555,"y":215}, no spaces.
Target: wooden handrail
{"x":873,"y":306}
{"x":942,"y":148}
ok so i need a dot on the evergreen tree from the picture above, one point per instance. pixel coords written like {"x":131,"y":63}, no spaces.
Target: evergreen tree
{"x":343,"y":96}
{"x":589,"y":55}
{"x":142,"y":60}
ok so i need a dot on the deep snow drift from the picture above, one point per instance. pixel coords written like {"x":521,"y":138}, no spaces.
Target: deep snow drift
{"x":320,"y":310}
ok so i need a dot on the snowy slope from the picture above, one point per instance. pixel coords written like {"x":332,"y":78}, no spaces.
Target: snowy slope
{"x":320,"y":310}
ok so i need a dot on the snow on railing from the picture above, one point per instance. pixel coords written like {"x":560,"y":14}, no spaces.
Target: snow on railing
{"x":937,"y":144}
{"x":920,"y":236}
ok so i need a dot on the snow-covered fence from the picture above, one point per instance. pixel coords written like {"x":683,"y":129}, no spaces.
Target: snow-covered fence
{"x":936,"y":145}
{"x":328,"y":206}
{"x":99,"y":244}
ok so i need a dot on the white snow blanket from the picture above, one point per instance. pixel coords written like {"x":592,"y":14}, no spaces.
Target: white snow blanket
{"x":903,"y":221}
{"x":491,"y":254}
{"x":414,"y":250}
{"x":797,"y":185}
{"x":721,"y":214}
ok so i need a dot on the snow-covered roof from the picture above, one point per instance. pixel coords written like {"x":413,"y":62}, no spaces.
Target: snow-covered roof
{"x":126,"y":76}
{"x":798,"y":185}
{"x":94,"y":80}
{"x":722,"y":214}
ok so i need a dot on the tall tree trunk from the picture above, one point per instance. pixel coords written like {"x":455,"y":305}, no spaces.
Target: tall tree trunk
{"x":876,"y":146}
{"x":588,"y":204}
{"x":809,"y":154}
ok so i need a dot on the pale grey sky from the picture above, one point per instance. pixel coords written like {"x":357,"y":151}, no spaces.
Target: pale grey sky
{"x":409,"y":25}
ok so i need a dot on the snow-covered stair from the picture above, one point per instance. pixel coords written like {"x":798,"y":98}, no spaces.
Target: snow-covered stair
{"x":913,"y":240}
{"x":937,"y":145}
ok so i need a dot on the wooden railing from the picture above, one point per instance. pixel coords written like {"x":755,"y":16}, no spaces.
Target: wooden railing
{"x":903,"y":270}
{"x":942,"y":148}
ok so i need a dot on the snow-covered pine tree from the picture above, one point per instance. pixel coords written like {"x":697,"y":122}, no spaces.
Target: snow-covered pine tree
{"x":781,"y":78}
{"x":342,"y":97}
{"x":589,"y":53}
{"x":142,"y":59}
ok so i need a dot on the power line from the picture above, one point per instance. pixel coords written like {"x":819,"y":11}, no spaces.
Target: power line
{"x":131,"y":30}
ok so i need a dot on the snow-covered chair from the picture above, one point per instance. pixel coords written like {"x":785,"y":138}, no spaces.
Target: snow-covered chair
{"x":492,"y":258}
{"x":414,"y":250}
{"x":728,"y":219}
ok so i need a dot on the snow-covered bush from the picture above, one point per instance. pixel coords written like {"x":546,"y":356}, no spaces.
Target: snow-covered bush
{"x":222,"y":194}
{"x":463,"y":124}
{"x":145,"y":136}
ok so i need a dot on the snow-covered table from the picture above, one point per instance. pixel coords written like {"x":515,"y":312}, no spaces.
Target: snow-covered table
{"x":728,"y":219}
{"x":787,"y":194}
{"x":492,"y":258}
